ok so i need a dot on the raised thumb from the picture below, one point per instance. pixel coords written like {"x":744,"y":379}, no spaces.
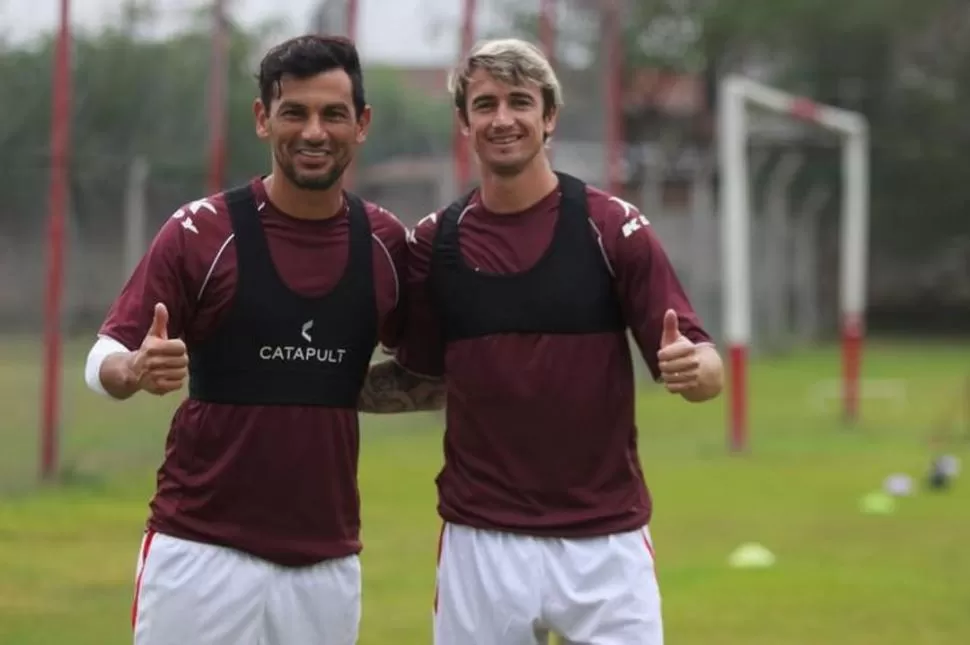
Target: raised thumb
{"x":159,"y":327}
{"x":671,"y":331}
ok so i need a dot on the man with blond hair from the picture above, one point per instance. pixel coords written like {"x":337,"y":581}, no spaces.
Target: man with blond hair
{"x":519,"y":299}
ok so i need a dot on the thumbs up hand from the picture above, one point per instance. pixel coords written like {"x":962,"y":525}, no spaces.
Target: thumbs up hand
{"x":677,"y":358}
{"x":160,"y":365}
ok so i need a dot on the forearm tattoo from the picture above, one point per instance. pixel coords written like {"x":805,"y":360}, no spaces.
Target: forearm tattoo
{"x":390,"y":388}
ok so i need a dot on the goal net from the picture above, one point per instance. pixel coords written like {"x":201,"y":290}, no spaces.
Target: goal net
{"x":768,"y":242}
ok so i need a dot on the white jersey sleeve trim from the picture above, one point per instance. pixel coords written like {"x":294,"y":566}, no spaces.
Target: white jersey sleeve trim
{"x":599,"y":241}
{"x":212,"y":267}
{"x":390,"y":261}
{"x":103,"y":347}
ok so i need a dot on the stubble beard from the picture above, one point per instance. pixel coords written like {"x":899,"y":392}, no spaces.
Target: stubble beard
{"x":315,"y":182}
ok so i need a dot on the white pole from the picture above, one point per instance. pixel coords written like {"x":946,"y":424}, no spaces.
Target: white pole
{"x":855,"y":224}
{"x":734,"y":221}
{"x":855,"y":252}
{"x":735,"y":253}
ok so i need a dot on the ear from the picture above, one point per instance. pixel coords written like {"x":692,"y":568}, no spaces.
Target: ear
{"x":462,"y":122}
{"x":549,"y":122}
{"x":261,"y":114}
{"x":363,"y":124}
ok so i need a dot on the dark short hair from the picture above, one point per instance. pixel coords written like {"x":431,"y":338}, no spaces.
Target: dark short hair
{"x":306,"y":56}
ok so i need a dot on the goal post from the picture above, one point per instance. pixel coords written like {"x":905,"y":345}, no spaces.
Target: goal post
{"x":736,"y":95}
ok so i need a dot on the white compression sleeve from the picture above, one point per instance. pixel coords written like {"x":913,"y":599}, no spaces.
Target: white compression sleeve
{"x":104,"y":347}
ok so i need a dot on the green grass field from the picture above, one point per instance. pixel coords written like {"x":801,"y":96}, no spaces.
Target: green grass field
{"x":67,"y":553}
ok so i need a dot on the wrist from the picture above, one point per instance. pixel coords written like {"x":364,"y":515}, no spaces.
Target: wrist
{"x":129,"y":378}
{"x":710,"y":376}
{"x":119,"y":375}
{"x":129,"y":371}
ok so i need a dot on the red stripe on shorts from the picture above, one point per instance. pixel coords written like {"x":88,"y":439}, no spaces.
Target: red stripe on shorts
{"x":145,"y":546}
{"x":646,"y":541}
{"x":441,"y":543}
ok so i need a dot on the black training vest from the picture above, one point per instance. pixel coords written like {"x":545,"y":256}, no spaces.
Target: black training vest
{"x":276,"y":347}
{"x":568,"y":291}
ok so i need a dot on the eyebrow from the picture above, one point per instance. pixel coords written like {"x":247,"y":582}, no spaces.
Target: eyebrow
{"x":288,"y":103}
{"x":516,"y":94}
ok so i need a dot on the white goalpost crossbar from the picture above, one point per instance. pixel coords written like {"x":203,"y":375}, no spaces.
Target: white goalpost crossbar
{"x":736,"y":95}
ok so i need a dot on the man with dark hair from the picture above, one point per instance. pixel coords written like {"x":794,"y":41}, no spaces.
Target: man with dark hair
{"x":272,"y":296}
{"x":520,"y":296}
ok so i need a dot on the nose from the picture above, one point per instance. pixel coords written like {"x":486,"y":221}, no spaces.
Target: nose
{"x":313,"y":130}
{"x":503,"y":116}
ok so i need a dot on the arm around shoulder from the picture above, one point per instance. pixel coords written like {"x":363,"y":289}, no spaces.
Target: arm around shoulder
{"x":389,"y":386}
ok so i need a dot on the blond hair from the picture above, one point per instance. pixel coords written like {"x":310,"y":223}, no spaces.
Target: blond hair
{"x":509,"y":60}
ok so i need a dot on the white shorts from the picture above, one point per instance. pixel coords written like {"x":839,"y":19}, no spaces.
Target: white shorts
{"x":498,"y":588}
{"x":187,"y":593}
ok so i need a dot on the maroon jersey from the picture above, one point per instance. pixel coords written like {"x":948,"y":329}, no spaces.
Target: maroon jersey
{"x":540,"y":434}
{"x":277,"y":481}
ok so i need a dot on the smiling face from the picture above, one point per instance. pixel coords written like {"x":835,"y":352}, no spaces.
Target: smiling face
{"x":507,"y":98}
{"x":313,"y":128}
{"x":508,"y":124}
